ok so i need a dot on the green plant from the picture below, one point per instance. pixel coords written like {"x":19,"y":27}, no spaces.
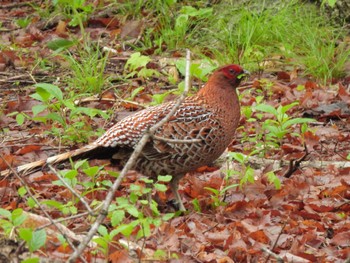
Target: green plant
{"x":88,"y":69}
{"x":245,"y":33}
{"x":136,"y":65}
{"x":316,"y":46}
{"x":273,"y":130}
{"x":134,"y":206}
{"x":63,"y":113}
{"x":174,"y":31}
{"x":68,"y":208}
{"x":198,"y":70}
{"x":135,"y":9}
{"x":87,"y":64}
{"x":10,"y":221}
{"x":254,"y":33}
{"x":323,"y":58}
{"x":23,"y":22}
{"x":33,"y":239}
{"x":246,"y":174}
{"x":216,"y":196}
{"x":331,"y":3}
{"x":75,"y":10}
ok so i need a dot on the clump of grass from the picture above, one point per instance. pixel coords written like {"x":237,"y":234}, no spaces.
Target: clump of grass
{"x":87,"y":65}
{"x":251,"y":34}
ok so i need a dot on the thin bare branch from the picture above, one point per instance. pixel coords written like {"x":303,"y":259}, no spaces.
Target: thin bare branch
{"x":39,"y":204}
{"x":175,"y":140}
{"x":270,"y":253}
{"x":130,"y":163}
{"x":82,"y":200}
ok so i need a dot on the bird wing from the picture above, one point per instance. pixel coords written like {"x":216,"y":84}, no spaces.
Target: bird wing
{"x":190,"y":121}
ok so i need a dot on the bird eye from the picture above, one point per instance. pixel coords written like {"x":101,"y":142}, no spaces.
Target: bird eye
{"x":231,"y":71}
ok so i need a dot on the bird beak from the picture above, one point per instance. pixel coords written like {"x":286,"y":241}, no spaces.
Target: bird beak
{"x":244,"y":74}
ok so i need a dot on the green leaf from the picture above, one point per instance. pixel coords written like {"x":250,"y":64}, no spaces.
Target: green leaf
{"x":181,"y":22}
{"x":22,"y":191}
{"x":49,"y":91}
{"x":87,"y":111}
{"x":36,"y":109}
{"x":160,"y":255}
{"x":53,"y":203}
{"x":201,"y":12}
{"x":126,"y":229}
{"x":62,"y":239}
{"x":132,"y":210}
{"x":31,"y":203}
{"x":101,"y":241}
{"x":18,"y":217}
{"x":113,"y":233}
{"x":160,"y":187}
{"x":274,"y":179}
{"x":164,"y":178}
{"x":266,"y":108}
{"x":248,"y":176}
{"x":238,"y":157}
{"x":122,"y":201}
{"x":92,"y":171}
{"x":285,"y":108}
{"x":159,"y":98}
{"x":20,"y":118}
{"x":154,"y":207}
{"x":168,"y":216}
{"x":26,"y":234}
{"x":147,"y":73}
{"x":71,"y":174}
{"x":23,"y":22}
{"x":213,"y":190}
{"x":331,"y":3}
{"x":102,"y":230}
{"x":198,"y":70}
{"x":31,"y":260}
{"x":135,"y":92}
{"x":38,"y":240}
{"x":229,"y":187}
{"x":135,"y":188}
{"x":291,"y":122}
{"x":79,"y":164}
{"x":117,"y":217}
{"x":5,"y":213}
{"x":274,"y":130}
{"x":137,"y":60}
{"x":60,"y":44}
{"x":145,"y":231}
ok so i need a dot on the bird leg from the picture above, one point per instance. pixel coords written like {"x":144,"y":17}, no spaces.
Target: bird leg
{"x":174,"y":186}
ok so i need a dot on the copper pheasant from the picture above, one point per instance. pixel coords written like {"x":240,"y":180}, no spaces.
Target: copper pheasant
{"x":211,"y":117}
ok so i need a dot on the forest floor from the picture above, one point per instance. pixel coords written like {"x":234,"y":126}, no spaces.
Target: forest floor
{"x":306,"y":219}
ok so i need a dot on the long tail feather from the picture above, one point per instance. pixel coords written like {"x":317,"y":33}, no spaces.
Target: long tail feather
{"x":76,"y":154}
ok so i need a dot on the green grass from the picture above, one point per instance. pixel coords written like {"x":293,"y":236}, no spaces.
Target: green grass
{"x":251,"y":34}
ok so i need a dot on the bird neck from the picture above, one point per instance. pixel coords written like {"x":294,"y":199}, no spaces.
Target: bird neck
{"x":221,"y":97}
{"x":219,"y":93}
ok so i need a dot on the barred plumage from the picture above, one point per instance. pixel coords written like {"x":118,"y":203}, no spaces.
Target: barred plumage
{"x":211,"y":117}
